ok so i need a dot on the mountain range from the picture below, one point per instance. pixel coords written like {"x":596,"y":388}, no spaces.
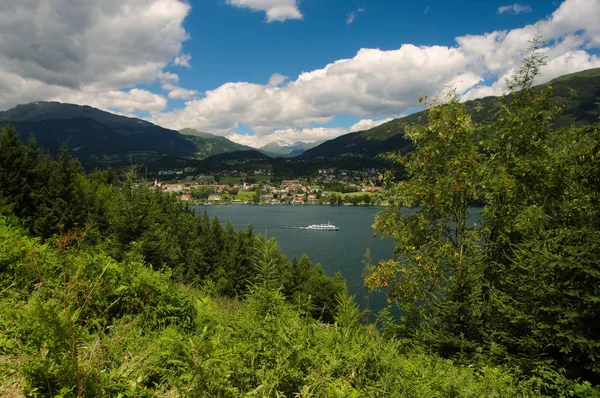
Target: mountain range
{"x":94,"y":136}
{"x":286,"y":149}
{"x":100,"y":138}
{"x":578,"y":94}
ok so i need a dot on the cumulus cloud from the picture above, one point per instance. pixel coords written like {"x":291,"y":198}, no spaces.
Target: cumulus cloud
{"x":276,"y":79}
{"x":352,"y":15}
{"x":308,"y":135}
{"x":168,"y":77}
{"x":374,"y":83}
{"x":366,"y":124}
{"x":169,"y":82}
{"x":69,"y":49}
{"x":276,"y":10}
{"x":182,"y":60}
{"x":377,"y":83}
{"x":125,"y":102}
{"x":515,"y":8}
{"x":180,"y":93}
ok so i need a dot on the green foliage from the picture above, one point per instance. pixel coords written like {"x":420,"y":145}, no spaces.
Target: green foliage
{"x":434,"y":275}
{"x":520,"y":285}
{"x":54,"y":197}
{"x":75,"y":322}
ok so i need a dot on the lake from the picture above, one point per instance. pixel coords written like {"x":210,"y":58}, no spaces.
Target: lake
{"x":341,"y":250}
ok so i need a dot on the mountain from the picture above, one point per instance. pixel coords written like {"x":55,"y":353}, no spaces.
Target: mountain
{"x":209,"y":144}
{"x":96,"y":137}
{"x":578,"y":93}
{"x":283,"y":148}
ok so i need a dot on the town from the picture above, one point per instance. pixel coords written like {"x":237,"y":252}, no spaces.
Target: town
{"x":329,"y":186}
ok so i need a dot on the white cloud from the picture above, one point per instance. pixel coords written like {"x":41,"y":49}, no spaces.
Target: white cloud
{"x":374,"y":83}
{"x":366,"y":124}
{"x":515,"y":8}
{"x":377,"y":83}
{"x":310,"y":134}
{"x":181,"y":93}
{"x":352,"y":15}
{"x":276,"y":10}
{"x":182,"y":60}
{"x":126,"y":102}
{"x":168,"y":77}
{"x":88,"y":51}
{"x":169,"y":82}
{"x":276,"y":79}
{"x":426,"y":10}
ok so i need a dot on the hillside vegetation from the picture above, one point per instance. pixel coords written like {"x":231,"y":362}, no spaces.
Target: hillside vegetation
{"x":209,"y":144}
{"x":95,"y":136}
{"x":517,"y":281}
{"x":111,"y":290}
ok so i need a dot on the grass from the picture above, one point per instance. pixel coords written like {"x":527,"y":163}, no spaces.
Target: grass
{"x":245,"y":196}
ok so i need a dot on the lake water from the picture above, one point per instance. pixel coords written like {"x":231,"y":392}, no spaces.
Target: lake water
{"x":341,"y":250}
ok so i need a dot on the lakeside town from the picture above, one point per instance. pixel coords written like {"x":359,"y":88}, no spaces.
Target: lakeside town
{"x":329,"y":186}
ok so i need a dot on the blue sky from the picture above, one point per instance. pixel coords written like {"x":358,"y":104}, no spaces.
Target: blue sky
{"x":263,"y":70}
{"x":236,"y":44}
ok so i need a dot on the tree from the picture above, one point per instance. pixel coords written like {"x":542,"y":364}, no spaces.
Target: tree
{"x":522,"y":284}
{"x":542,"y":234}
{"x":202,"y":193}
{"x":11,"y":170}
{"x":435,"y":269}
{"x":434,"y":242}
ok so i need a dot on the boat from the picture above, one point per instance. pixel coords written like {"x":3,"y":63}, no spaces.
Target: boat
{"x":323,"y":227}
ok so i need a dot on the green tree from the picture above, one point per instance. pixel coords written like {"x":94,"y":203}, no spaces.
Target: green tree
{"x":12,"y":176}
{"x":435,"y":275}
{"x":434,"y":243}
{"x":542,"y":233}
{"x":202,"y":193}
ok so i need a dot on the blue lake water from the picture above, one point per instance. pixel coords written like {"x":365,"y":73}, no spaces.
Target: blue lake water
{"x":341,"y":250}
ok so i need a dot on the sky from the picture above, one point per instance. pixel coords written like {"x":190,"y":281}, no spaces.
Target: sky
{"x":258,"y":71}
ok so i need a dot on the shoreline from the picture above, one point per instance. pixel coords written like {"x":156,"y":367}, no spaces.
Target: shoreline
{"x":282,"y":204}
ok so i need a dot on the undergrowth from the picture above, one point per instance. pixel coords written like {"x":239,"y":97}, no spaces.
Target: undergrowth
{"x":74,"y":322}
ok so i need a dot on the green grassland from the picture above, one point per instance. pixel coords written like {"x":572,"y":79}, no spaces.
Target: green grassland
{"x":245,"y":196}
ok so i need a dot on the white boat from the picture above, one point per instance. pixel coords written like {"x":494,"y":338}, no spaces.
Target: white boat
{"x":323,"y":227}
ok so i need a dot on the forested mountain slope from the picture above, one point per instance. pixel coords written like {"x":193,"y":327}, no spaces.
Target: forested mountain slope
{"x":95,"y":136}
{"x":209,"y":144}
